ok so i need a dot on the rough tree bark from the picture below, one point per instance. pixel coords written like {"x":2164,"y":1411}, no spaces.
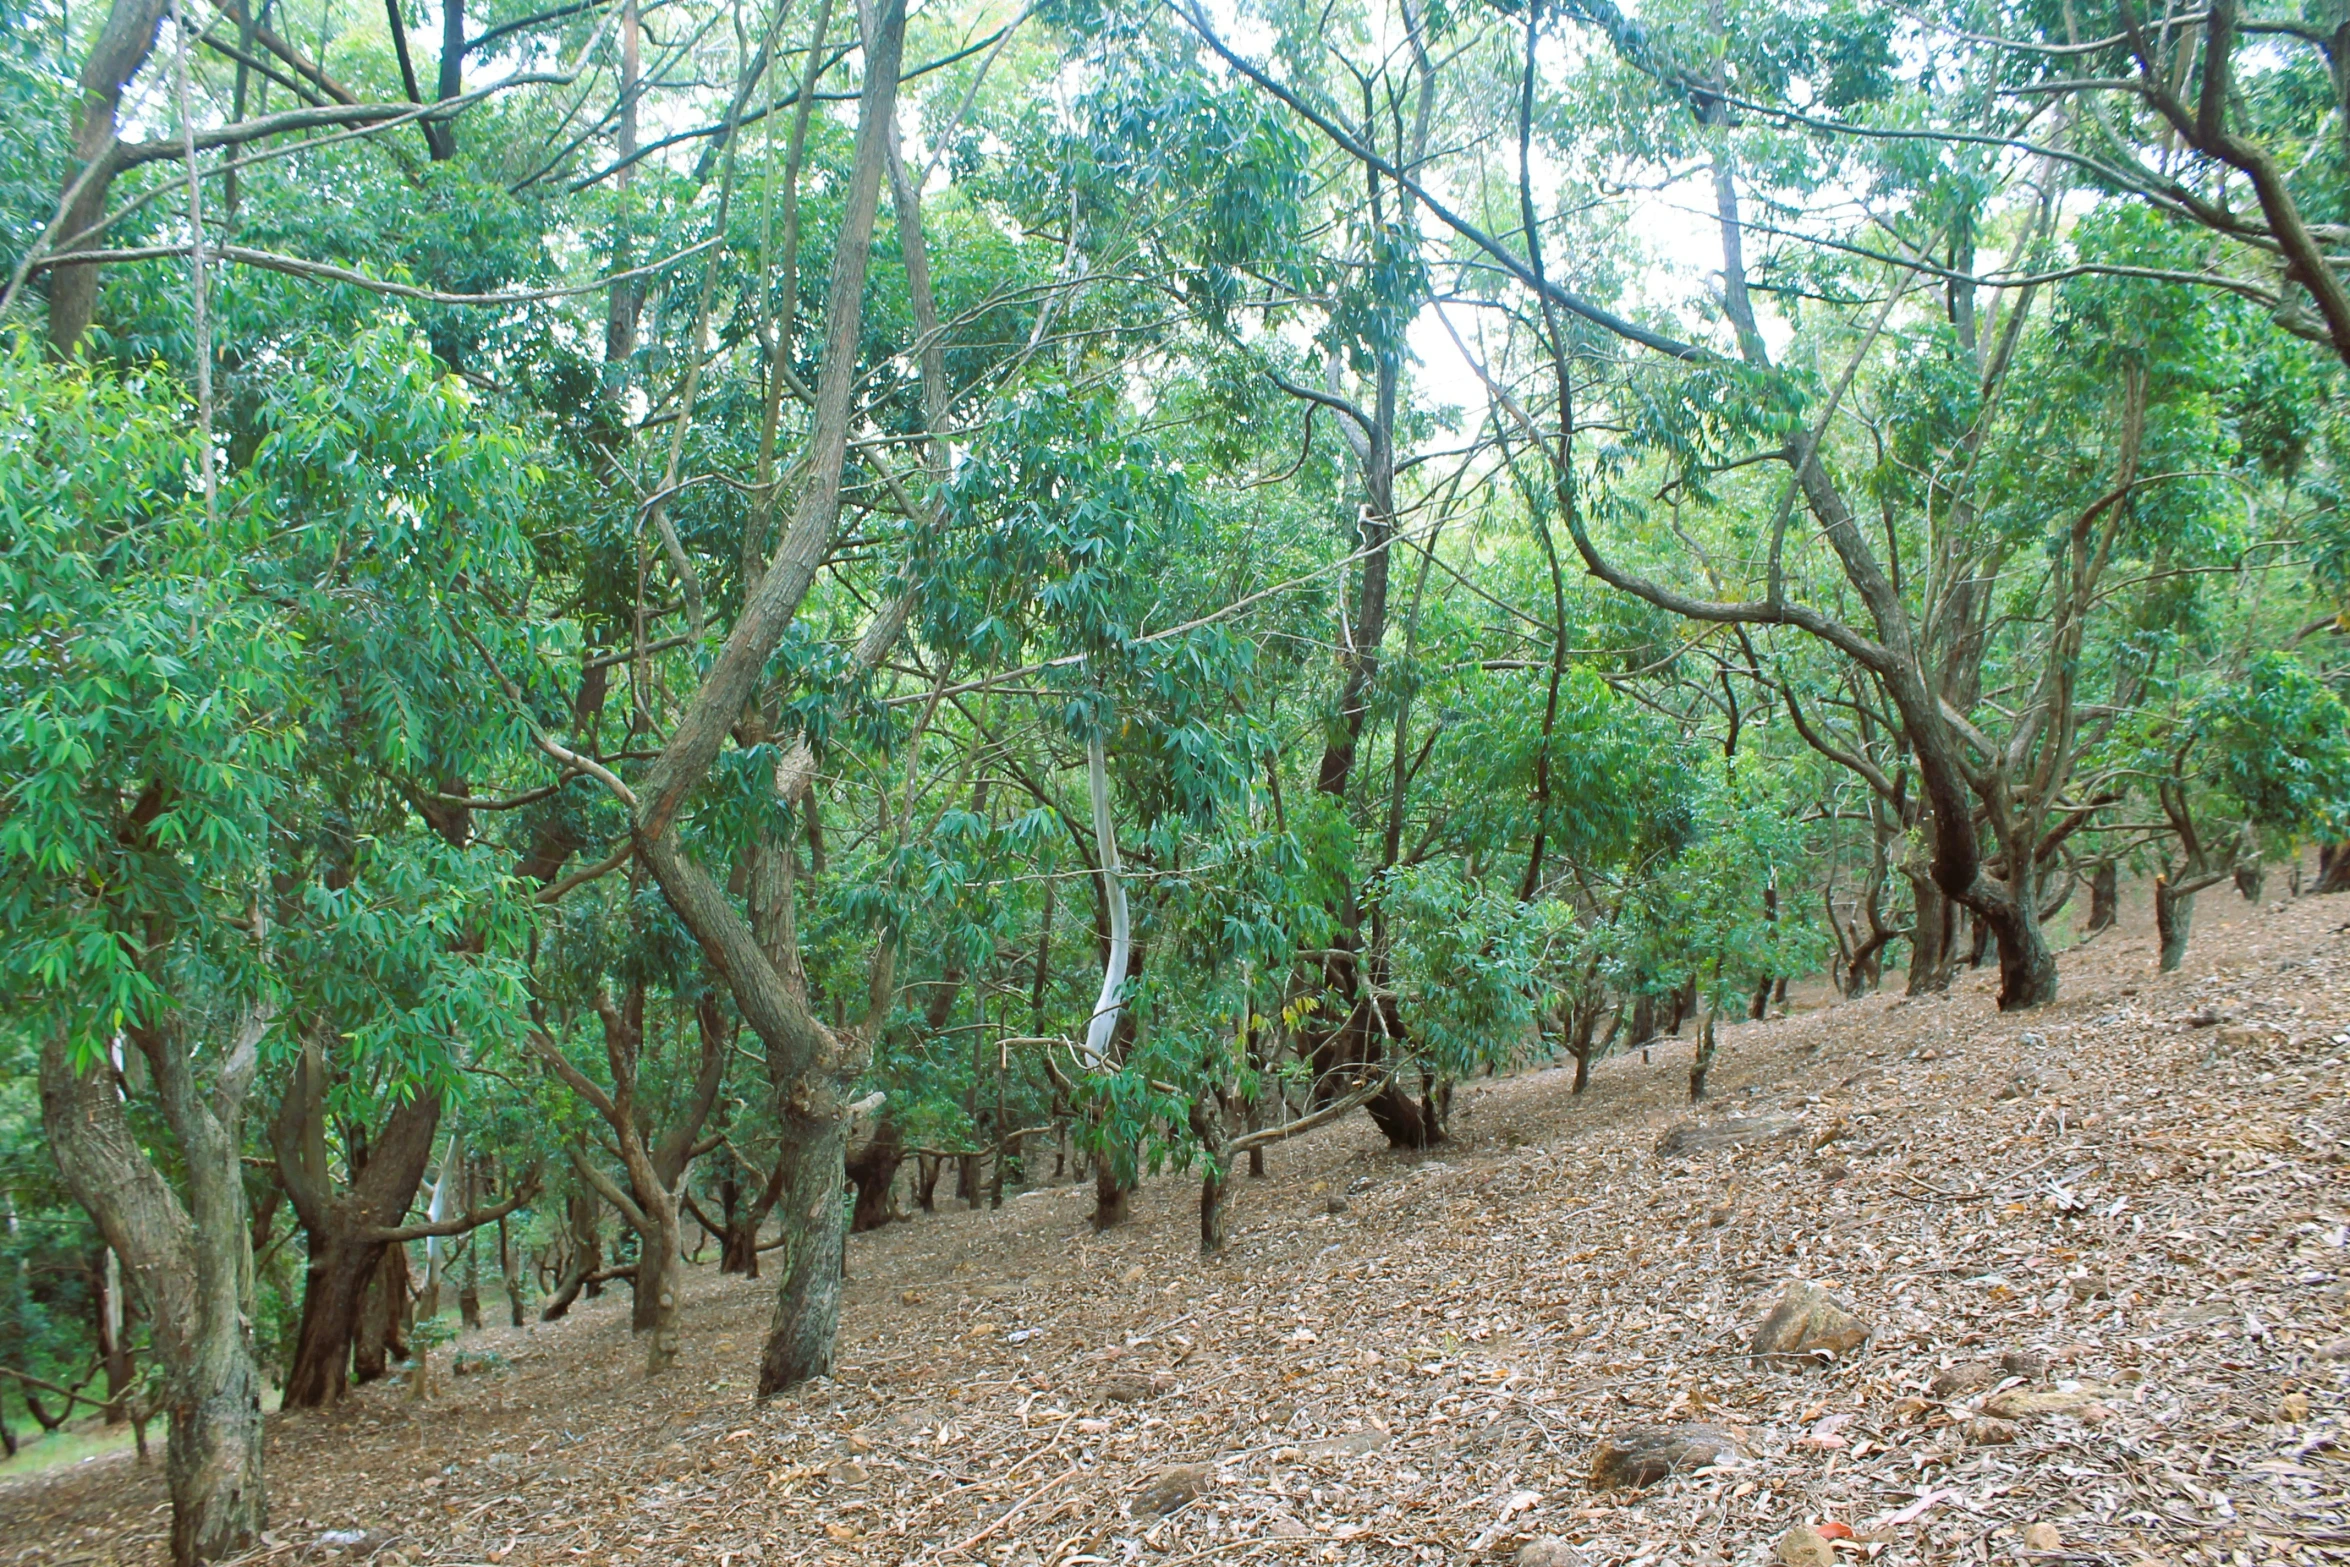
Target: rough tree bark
{"x":189,"y":1253}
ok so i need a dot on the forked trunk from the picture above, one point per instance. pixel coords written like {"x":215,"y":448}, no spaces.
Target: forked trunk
{"x":332,"y":1297}
{"x":814,"y":1217}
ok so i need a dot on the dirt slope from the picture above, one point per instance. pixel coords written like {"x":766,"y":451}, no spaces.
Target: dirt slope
{"x":2155,"y":1206}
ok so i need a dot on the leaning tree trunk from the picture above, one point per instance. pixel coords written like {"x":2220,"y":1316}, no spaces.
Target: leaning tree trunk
{"x":2333,"y":867}
{"x":2027,"y":964}
{"x":333,"y":1294}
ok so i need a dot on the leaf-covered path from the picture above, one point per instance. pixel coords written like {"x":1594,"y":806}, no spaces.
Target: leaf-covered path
{"x":1411,"y":1359}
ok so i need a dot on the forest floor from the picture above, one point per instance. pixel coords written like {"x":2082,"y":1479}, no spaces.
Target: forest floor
{"x":1412,"y":1357}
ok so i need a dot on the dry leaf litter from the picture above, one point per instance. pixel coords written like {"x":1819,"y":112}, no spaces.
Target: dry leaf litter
{"x":2096,"y":1252}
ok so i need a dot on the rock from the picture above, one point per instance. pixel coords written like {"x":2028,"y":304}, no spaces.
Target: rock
{"x":1642,"y":1455}
{"x":1808,"y":1322}
{"x":1335,"y":1205}
{"x":1135,"y":1274}
{"x":1171,"y":1488}
{"x":1691,"y":1137}
{"x":910,"y":1298}
{"x":1963,"y":1381}
{"x":2043,"y":1537}
{"x":2020,"y":1403}
{"x":1834,"y":1170}
{"x":846,"y":1473}
{"x":2027,"y":1363}
{"x":1984,"y":1431}
{"x":2293,"y":1408}
{"x":1283,"y":1527}
{"x":2339,"y":1349}
{"x":1802,"y":1546}
{"x":1549,"y":1551}
{"x":1717,"y":1216}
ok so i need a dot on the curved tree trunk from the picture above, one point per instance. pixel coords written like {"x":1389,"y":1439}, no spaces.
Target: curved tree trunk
{"x":584,"y":1210}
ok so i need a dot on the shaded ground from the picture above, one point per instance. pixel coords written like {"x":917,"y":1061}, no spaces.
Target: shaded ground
{"x":2154,"y":1203}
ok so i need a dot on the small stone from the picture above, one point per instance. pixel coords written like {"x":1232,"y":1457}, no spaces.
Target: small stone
{"x":2092,"y":1286}
{"x":1984,"y":1431}
{"x":1963,"y":1381}
{"x":2026,"y":1363}
{"x":1549,"y":1551}
{"x":1135,"y":1274}
{"x":2339,"y":1349}
{"x":1092,"y":1427}
{"x":910,"y":1298}
{"x":1644,"y":1454}
{"x":1284,"y":1527}
{"x":1717,"y":1216}
{"x":846,"y":1473}
{"x":1352,"y":1445}
{"x":1174,"y":1487}
{"x":2293,"y":1408}
{"x":1802,"y":1546}
{"x":1335,"y":1205}
{"x":2043,"y":1537}
{"x":1834,"y":1170}
{"x":1808,"y":1322}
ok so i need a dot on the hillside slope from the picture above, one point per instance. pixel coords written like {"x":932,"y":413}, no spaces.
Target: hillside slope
{"x":1412,"y":1359}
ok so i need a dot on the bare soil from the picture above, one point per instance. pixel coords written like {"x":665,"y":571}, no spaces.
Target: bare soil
{"x":1413,"y":1358}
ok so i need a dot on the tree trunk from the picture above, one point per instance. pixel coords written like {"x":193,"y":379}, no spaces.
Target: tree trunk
{"x":381,"y":1340}
{"x":1703,"y":1061}
{"x":1932,"y":937}
{"x":1643,"y":1028}
{"x":2104,"y":897}
{"x":332,"y":1295}
{"x":2333,"y":868}
{"x":1112,"y":1196}
{"x":510,"y":1272}
{"x":583,"y":1210}
{"x":2174,"y":919}
{"x":659,"y":1273}
{"x":190,"y":1252}
{"x":873,"y":1170}
{"x":2027,"y":966}
{"x":114,"y":1351}
{"x":121,"y":48}
{"x":807,"y":1303}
